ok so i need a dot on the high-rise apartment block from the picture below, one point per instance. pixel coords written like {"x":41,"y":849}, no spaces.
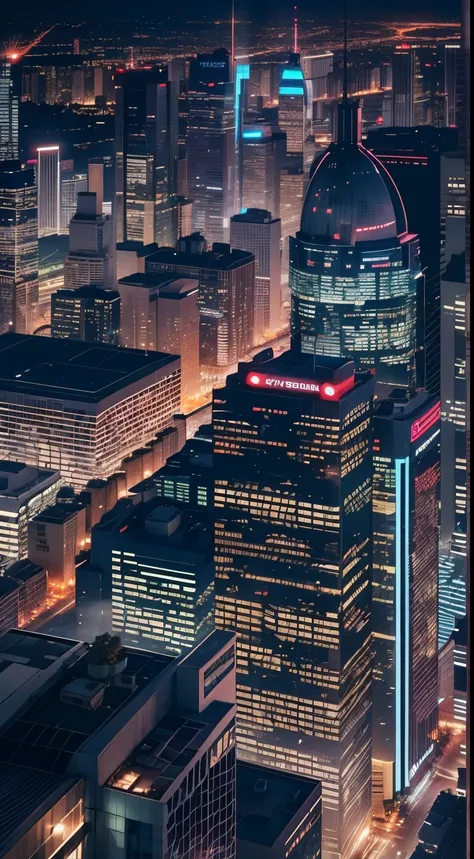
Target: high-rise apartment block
{"x":152,"y":747}
{"x":8,"y":113}
{"x":91,"y":257}
{"x":85,"y":408}
{"x":226,"y":295}
{"x":19,"y":249}
{"x":256,"y":231}
{"x":160,"y":312}
{"x":146,"y":153}
{"x":406,"y":440}
{"x":88,"y":313}
{"x":48,"y":180}
{"x":24,"y":492}
{"x":211,"y":144}
{"x":293,"y":484}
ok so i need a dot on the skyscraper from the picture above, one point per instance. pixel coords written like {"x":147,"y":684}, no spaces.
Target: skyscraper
{"x":260,"y":168}
{"x":71,"y":186}
{"x":211,"y":144}
{"x":49,"y":190}
{"x":88,"y":313}
{"x":406,"y":439}
{"x":353,"y":265}
{"x":295,"y":108}
{"x":413,"y":157}
{"x":292,"y":464}
{"x":91,"y":256}
{"x":405,"y":87}
{"x":8,"y":113}
{"x":256,"y":231}
{"x":19,"y":249}
{"x":146,"y":151}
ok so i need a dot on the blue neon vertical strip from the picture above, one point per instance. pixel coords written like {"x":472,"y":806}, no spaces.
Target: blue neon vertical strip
{"x":242,"y":73}
{"x":398,"y":625}
{"x":407,"y":637}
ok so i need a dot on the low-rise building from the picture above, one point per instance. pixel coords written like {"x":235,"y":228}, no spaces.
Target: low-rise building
{"x":24,"y":492}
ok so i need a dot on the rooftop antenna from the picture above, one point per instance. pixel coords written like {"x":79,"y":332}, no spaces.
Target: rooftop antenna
{"x":344,"y":84}
{"x":295,"y":31}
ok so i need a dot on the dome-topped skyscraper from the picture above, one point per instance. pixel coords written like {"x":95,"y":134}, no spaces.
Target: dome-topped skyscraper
{"x":353,"y":264}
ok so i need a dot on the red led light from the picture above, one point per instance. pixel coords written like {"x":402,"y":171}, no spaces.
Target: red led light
{"x":328,"y":390}
{"x":379,"y":120}
{"x":425,"y":422}
{"x":337,"y":235}
{"x":253,"y":379}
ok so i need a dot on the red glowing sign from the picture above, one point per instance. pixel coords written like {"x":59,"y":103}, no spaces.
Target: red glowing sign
{"x":379,"y":120}
{"x":325,"y":390}
{"x":425,"y":422}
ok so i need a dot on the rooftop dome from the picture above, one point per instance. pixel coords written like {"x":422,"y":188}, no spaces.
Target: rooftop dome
{"x":352,"y":198}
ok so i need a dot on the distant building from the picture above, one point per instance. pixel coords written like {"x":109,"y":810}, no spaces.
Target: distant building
{"x":71,"y":186}
{"x":19,"y":244}
{"x":88,"y":313}
{"x":278,"y":814}
{"x":8,"y":113}
{"x":49,"y":190}
{"x":160,"y":312}
{"x":91,"y":257}
{"x":32,"y":586}
{"x":256,"y":231}
{"x":260,"y":168}
{"x":53,"y":536}
{"x":154,"y":741}
{"x":451,"y":589}
{"x":210,"y":144}
{"x":52,"y":255}
{"x":24,"y":492}
{"x":226,"y":295}
{"x":131,"y":257}
{"x":78,"y":417}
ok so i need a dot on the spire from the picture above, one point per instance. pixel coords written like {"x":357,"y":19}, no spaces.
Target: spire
{"x":344,"y":83}
{"x":295,"y":31}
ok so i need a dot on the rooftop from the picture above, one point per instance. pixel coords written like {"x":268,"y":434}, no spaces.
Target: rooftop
{"x":18,"y":479}
{"x":168,"y":285}
{"x":47,"y":734}
{"x":160,"y":758}
{"x":268,"y":800}
{"x":221,"y":257}
{"x":72,"y":369}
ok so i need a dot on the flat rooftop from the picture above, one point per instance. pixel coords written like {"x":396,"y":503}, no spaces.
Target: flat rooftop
{"x":268,"y":800}
{"x":17,"y":478}
{"x":47,"y":734}
{"x":220,"y":259}
{"x":31,"y":649}
{"x":71,"y":369}
{"x":160,"y":758}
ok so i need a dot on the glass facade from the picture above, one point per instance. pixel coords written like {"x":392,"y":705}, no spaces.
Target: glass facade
{"x":18,"y":249}
{"x":292,"y":556}
{"x":295,"y":107}
{"x":405,"y":587}
{"x":357,"y":301}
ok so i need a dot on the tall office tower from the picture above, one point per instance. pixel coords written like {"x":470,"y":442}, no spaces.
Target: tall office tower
{"x":162,"y":573}
{"x":260,"y":168}
{"x":451,"y":590}
{"x":409,"y":100}
{"x":87,"y":313}
{"x":185,"y":216}
{"x":146,"y":152}
{"x":295,"y":110}
{"x":19,"y":249}
{"x":353,"y":265}
{"x":256,"y":231}
{"x":452,"y":81}
{"x":8,"y":113}
{"x":48,"y":182}
{"x":91,"y":256}
{"x":130,"y":257}
{"x":24,"y":492}
{"x":226,"y":296}
{"x":160,"y":312}
{"x":86,"y":409}
{"x":211,"y":144}
{"x":293,"y":476}
{"x":292,"y":182}
{"x":152,"y":748}
{"x":316,"y":68}
{"x":71,"y":186}
{"x":413,"y":159}
{"x":406,"y":439}
{"x":95,"y":181}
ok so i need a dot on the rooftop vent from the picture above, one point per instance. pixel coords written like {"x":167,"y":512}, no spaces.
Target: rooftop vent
{"x":83,"y":693}
{"x":163,"y":521}
{"x":260,"y":786}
